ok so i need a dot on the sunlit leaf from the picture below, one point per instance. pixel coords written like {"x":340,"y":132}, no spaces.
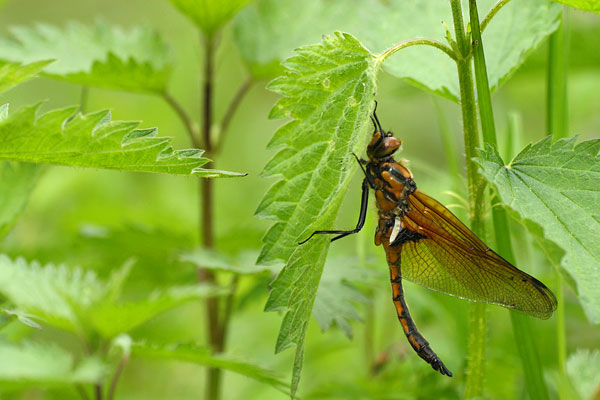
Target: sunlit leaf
{"x":13,"y":73}
{"x":210,"y":15}
{"x":556,"y":186}
{"x":203,"y":356}
{"x":46,"y":364}
{"x":328,"y":91}
{"x":585,"y":5}
{"x":23,"y":317}
{"x":99,"y":55}
{"x":16,"y":183}
{"x":93,"y":140}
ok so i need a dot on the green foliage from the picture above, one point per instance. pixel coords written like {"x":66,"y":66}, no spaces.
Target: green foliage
{"x":36,"y":364}
{"x":267,"y":31}
{"x":100,"y":55}
{"x":92,"y":140}
{"x":337,"y":296}
{"x":13,"y":73}
{"x":585,"y":5}
{"x":77,"y":301}
{"x":556,"y":186}
{"x":16,"y":183}
{"x":583,"y":368}
{"x":210,"y":15}
{"x":243,"y":264}
{"x":201,"y":355}
{"x":328,"y":90}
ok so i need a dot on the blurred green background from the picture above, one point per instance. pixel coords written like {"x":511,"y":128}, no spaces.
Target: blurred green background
{"x":98,"y":219}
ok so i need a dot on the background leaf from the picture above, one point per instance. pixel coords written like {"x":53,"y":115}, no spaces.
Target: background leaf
{"x":209,"y":15}
{"x":267,"y":31}
{"x":203,"y":356}
{"x":92,"y":140}
{"x":328,"y":91}
{"x":556,"y":186}
{"x":99,"y":55}
{"x":38,"y":364}
{"x":583,"y":368}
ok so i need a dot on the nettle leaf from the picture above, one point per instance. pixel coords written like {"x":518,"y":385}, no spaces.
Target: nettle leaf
{"x":328,"y":92}
{"x":17,"y":180}
{"x":266,"y":33}
{"x":583,"y":369}
{"x":203,"y":356}
{"x":93,"y":140}
{"x":585,"y":5}
{"x":33,"y":363}
{"x":99,"y":55}
{"x":13,"y":73}
{"x":556,"y":186}
{"x":22,"y":317}
{"x":77,"y":301}
{"x":210,"y":16}
{"x":336,"y":296}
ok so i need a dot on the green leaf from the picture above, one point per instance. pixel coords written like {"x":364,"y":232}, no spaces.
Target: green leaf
{"x":92,"y":140}
{"x":268,"y":31}
{"x":46,"y":364}
{"x":328,"y":91}
{"x":243,"y":264}
{"x":77,"y":301}
{"x":556,"y":186}
{"x":16,"y":183}
{"x":23,"y":317}
{"x":99,"y":55}
{"x":585,"y":5}
{"x":210,"y":15}
{"x":202,"y":355}
{"x":336,"y":296}
{"x":112,"y":318}
{"x":13,"y":73}
{"x":583,"y":369}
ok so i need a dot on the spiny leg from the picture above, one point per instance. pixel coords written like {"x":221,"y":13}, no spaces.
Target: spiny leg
{"x":361,"y":218}
{"x":416,"y":340}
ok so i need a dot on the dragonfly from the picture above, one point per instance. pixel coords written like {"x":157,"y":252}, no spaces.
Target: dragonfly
{"x":427,"y":244}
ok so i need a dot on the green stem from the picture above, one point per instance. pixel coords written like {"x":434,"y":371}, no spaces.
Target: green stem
{"x":556,"y":100}
{"x":413,"y":42}
{"x":477,"y":321}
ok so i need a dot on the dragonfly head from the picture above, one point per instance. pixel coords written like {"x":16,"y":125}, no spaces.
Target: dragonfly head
{"x":383,"y":144}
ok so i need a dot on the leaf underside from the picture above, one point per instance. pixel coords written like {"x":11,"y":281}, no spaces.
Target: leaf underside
{"x":556,"y":186}
{"x":92,"y":140}
{"x":328,"y":91}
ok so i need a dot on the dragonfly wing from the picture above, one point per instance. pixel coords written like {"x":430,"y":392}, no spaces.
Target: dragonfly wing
{"x":453,"y":260}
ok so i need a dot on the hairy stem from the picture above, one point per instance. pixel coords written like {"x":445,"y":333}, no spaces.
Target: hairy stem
{"x":477,"y":321}
{"x":413,"y":42}
{"x":233,"y":106}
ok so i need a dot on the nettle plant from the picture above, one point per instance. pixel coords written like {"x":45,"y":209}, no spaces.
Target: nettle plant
{"x":328,"y":91}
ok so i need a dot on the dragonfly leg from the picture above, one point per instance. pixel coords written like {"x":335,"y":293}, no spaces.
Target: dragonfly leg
{"x":416,"y":340}
{"x":361,"y":218}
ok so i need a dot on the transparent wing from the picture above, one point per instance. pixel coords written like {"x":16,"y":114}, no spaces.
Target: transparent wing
{"x":453,"y":260}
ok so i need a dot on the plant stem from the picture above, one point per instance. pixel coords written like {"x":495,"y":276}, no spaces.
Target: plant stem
{"x":235,"y":102}
{"x":98,"y":391}
{"x":477,"y":321}
{"x":83,"y":99}
{"x":556,"y":99}
{"x":413,"y":42}
{"x":117,"y":375}
{"x":184,"y":117}
{"x":213,"y":386}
